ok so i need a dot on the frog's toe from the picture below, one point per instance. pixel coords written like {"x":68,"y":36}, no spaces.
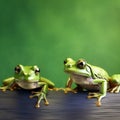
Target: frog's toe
{"x":41,"y":96}
{"x":37,"y":105}
{"x":55,"y":89}
{"x":11,"y":89}
{"x":3,"y":89}
{"x":98,"y":103}
{"x":116,"y":89}
{"x":66,"y":90}
{"x":93,"y":95}
{"x":46,"y":103}
{"x":34,"y":94}
{"x":31,"y":96}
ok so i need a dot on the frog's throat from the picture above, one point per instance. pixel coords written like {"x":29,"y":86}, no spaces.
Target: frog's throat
{"x":77,"y":73}
{"x":27,"y":85}
{"x":26,"y":80}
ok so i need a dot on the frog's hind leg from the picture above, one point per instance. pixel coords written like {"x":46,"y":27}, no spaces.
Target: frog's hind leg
{"x":102,"y":92}
{"x":115,"y":89}
{"x":41,"y":95}
{"x":114,"y":83}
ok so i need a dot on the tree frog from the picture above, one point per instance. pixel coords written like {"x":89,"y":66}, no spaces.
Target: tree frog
{"x":28,"y":77}
{"x":91,"y":78}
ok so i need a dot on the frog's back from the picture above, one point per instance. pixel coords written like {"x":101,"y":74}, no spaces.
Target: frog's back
{"x":99,"y":72}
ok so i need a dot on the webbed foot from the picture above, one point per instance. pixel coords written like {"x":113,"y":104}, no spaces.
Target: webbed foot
{"x":66,"y":90}
{"x":4,"y":88}
{"x":55,"y":89}
{"x":41,"y":96}
{"x":115,"y":89}
{"x":10,"y":87}
{"x":99,"y":96}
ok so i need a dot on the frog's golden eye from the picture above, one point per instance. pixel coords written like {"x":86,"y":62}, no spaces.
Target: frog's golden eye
{"x":17,"y":69}
{"x":81,"y":64}
{"x":37,"y":70}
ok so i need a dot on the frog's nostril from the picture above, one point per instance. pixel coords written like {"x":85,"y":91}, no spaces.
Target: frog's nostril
{"x":69,"y":65}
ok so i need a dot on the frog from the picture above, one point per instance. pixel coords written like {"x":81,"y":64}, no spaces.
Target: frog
{"x":28,"y":78}
{"x":90,"y":78}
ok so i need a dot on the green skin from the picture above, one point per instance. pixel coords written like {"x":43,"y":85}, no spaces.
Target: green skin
{"x":28,"y":77}
{"x":91,"y":78}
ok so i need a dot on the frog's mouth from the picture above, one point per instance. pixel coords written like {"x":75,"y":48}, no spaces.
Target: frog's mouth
{"x":85,"y":74}
{"x":25,"y":84}
{"x":26,"y":80}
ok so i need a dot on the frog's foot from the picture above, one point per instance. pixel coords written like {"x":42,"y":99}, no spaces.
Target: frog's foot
{"x":99,"y":96}
{"x":55,"y":89}
{"x":10,"y":87}
{"x":41,"y":96}
{"x":93,"y":95}
{"x":66,"y":90}
{"x":115,"y":89}
{"x":4,"y":88}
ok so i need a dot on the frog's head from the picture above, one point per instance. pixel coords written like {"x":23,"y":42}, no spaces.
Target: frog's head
{"x":27,"y":73}
{"x":79,"y":67}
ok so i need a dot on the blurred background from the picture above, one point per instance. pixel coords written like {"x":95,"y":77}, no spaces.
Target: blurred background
{"x":45,"y":32}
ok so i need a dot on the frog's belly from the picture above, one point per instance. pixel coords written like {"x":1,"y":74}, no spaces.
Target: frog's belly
{"x":27,"y":85}
{"x":85,"y":82}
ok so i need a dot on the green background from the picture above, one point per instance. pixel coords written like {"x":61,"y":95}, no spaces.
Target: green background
{"x":45,"y":32}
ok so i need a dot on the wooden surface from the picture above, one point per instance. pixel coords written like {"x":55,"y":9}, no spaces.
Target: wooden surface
{"x":16,"y":105}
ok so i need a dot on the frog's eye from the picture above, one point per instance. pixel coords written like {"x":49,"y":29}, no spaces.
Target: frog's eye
{"x":65,"y":61}
{"x":81,"y":64}
{"x":37,"y":70}
{"x":68,"y":60}
{"x":17,"y":69}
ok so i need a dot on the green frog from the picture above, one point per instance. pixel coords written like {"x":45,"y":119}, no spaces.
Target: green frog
{"x":92,"y":78}
{"x":28,"y":77}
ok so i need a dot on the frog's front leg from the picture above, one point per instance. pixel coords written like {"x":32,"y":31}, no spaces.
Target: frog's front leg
{"x":102,"y":93}
{"x":114,"y":84}
{"x":68,"y":87}
{"x":41,"y":94}
{"x":8,"y":84}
